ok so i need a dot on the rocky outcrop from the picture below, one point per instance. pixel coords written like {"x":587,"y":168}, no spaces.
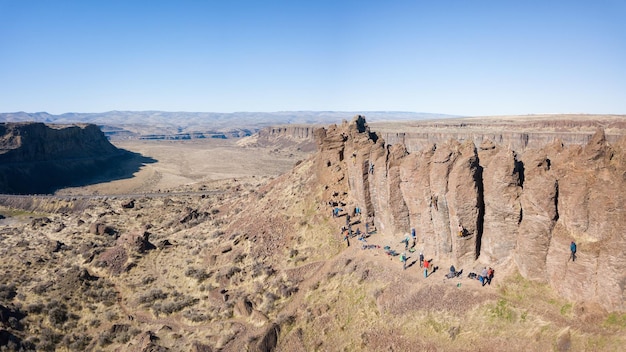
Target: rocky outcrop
{"x":490,"y":205}
{"x":98,"y":228}
{"x":136,"y":242}
{"x":300,"y":137}
{"x":30,"y":142}
{"x":516,"y":132}
{"x":37,"y":158}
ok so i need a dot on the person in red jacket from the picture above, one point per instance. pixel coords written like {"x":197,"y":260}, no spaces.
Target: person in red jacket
{"x":489,"y":275}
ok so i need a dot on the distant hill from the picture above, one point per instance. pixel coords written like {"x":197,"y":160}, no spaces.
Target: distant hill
{"x":188,"y":125}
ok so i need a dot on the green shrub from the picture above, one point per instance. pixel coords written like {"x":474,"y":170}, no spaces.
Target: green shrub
{"x":502,"y":311}
{"x":615,"y":319}
{"x":153,"y":295}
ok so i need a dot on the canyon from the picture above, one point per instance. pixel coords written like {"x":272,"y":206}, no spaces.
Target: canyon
{"x":230,"y":244}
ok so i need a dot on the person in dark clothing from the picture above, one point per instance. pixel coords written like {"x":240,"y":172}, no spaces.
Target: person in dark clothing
{"x":421,"y":260}
{"x":489,"y":275}
{"x":572,"y":248}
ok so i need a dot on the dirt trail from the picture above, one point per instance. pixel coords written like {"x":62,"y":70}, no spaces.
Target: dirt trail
{"x":413,"y":272}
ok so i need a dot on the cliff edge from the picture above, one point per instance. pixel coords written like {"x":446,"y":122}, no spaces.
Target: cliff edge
{"x":488,"y":205}
{"x":38,"y":158}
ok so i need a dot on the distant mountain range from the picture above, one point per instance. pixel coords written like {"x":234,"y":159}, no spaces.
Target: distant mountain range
{"x":184,"y":125}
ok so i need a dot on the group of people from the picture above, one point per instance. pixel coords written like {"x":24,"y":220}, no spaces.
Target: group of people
{"x":426,"y":264}
{"x":413,"y":240}
{"x":485,"y":276}
{"x":346,"y":230}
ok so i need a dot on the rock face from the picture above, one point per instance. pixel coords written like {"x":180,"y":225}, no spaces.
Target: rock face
{"x":300,"y":137}
{"x":518,"y":133}
{"x":492,"y":205}
{"x":39,"y":142}
{"x":36,"y":158}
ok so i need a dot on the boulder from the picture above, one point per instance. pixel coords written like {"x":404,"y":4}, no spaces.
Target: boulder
{"x":268,"y":340}
{"x":243,"y":308}
{"x":40,"y":222}
{"x":136,"y":242}
{"x":129,"y":204}
{"x":98,"y":228}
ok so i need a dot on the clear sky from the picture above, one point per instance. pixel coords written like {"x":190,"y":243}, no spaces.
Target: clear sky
{"x":466,"y":57}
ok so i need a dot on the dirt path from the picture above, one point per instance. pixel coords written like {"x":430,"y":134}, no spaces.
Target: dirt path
{"x":413,"y":272}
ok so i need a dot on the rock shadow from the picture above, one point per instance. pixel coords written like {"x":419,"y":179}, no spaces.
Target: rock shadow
{"x":46,"y":177}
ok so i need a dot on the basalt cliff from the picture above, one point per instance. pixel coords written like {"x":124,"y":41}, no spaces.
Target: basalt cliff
{"x":488,"y":204}
{"x":38,"y":158}
{"x":515,"y":132}
{"x":259,"y":263}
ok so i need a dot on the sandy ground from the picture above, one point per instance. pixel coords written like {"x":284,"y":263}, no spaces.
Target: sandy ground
{"x":182,"y":164}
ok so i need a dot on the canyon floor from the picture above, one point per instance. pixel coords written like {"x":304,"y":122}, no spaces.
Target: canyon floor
{"x":218,"y":247}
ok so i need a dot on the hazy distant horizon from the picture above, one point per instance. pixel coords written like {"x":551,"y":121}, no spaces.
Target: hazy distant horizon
{"x":117,"y":117}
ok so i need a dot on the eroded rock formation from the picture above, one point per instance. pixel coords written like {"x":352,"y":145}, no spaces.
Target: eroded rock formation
{"x":491,"y":205}
{"x":37,"y":158}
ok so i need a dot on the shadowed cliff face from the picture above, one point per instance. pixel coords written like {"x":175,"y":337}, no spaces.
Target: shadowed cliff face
{"x":38,"y":158}
{"x":490,"y":206}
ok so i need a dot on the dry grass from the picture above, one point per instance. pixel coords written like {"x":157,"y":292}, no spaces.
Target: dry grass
{"x":322,"y":295}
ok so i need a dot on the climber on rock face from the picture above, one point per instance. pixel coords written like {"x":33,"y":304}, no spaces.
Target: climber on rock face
{"x":572,"y":248}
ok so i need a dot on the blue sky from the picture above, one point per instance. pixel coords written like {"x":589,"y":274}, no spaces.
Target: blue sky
{"x":469,"y":57}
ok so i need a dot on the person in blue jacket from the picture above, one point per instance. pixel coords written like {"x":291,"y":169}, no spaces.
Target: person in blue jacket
{"x":572,"y":248}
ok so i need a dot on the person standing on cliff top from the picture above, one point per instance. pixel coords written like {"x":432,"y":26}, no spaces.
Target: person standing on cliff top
{"x":572,"y":248}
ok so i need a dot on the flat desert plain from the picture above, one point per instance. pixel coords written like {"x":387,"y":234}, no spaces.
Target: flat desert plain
{"x":182,"y":165}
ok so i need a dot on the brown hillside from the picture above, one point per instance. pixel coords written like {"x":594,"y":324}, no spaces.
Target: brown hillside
{"x":260,"y":264}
